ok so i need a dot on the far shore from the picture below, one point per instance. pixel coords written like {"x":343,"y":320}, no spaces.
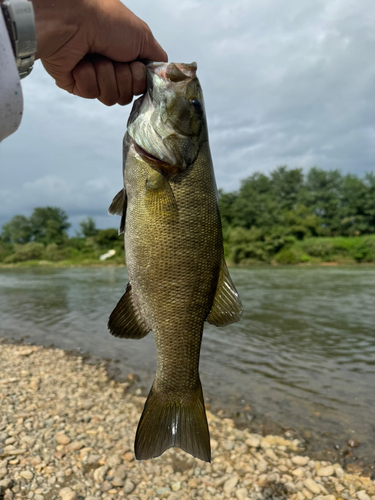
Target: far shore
{"x":248,"y":265}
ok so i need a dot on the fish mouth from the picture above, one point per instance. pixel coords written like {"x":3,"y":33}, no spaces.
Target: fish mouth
{"x":166,"y":169}
{"x":146,"y":155}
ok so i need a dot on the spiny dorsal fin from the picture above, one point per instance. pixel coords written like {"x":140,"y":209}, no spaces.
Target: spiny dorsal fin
{"x":227,"y":305}
{"x":125,"y":321}
{"x":118,"y":207}
{"x":159,"y":196}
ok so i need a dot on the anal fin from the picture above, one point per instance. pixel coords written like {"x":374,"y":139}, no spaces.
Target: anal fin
{"x":126,"y":321}
{"x":227,"y":306}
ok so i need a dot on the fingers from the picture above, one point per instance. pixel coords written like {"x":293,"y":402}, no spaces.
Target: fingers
{"x":96,"y":77}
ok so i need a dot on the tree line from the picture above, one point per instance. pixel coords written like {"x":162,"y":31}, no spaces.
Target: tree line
{"x":286,"y":216}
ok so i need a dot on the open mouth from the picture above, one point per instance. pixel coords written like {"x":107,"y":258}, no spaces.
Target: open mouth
{"x":142,"y":152}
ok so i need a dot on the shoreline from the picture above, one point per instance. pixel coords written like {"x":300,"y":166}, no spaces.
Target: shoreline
{"x":43,"y":264}
{"x":63,"y":435}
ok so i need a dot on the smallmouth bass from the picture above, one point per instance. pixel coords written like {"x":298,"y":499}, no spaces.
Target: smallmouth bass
{"x":178,"y":278}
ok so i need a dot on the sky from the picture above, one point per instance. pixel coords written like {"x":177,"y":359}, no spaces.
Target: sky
{"x":285,"y":83}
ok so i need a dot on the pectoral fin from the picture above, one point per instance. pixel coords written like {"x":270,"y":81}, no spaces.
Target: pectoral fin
{"x":159,"y":196}
{"x":126,"y":321}
{"x":227,"y":305}
{"x":118,"y":207}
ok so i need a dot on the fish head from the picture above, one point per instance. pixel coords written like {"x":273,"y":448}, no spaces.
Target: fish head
{"x":167,"y":124}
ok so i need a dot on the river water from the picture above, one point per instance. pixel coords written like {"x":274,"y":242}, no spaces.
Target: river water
{"x":303,"y":355}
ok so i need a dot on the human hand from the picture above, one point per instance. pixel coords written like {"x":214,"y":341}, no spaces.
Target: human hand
{"x":91,"y":47}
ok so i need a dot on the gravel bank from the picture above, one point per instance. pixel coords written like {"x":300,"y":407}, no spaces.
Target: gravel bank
{"x":67,"y":432}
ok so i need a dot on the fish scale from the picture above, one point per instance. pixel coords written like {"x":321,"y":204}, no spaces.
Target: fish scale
{"x":178,"y":278}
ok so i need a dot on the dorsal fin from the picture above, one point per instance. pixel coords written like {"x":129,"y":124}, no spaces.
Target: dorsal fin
{"x":227,"y":305}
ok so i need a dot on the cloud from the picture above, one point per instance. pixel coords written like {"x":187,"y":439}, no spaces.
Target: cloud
{"x":284,"y":82}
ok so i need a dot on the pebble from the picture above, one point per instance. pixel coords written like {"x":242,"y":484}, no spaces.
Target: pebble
{"x":253,"y":441}
{"x":299,"y":460}
{"x":312,"y":486}
{"x":230,"y":484}
{"x":67,"y":440}
{"x":362,"y":495}
{"x":27,"y":474}
{"x":100,"y":473}
{"x":67,"y":494}
{"x":241,"y":494}
{"x":62,"y":439}
{"x":129,"y":486}
{"x":326,"y":471}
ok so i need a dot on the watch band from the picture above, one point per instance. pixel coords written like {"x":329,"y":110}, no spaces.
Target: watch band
{"x":19,"y":18}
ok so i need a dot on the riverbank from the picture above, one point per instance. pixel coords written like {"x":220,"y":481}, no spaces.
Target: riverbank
{"x":67,"y":431}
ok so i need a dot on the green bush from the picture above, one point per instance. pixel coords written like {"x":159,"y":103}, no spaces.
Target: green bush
{"x":288,"y":256}
{"x":30,"y":251}
{"x":5,"y":250}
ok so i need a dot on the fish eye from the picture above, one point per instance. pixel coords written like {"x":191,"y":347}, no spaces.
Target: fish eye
{"x":197,"y":105}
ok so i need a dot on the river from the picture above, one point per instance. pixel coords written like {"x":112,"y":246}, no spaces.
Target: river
{"x":303,"y":355}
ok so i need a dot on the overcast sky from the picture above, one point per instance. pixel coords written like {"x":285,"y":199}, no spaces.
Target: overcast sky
{"x":284,"y":82}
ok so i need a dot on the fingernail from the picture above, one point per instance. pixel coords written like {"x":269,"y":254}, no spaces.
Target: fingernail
{"x":138,"y":71}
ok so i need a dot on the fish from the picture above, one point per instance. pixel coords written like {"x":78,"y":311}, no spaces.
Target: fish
{"x":178,"y":278}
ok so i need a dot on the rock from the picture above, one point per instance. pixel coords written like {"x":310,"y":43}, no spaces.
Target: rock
{"x":113,"y":461}
{"x":241,"y":494}
{"x":27,"y":474}
{"x":74,"y":446}
{"x":289,"y":487}
{"x":253,"y":441}
{"x":298,"y":472}
{"x":120,"y":472}
{"x":7,"y":483}
{"x":214,"y":444}
{"x":129,"y":486}
{"x":62,"y":438}
{"x":67,"y":494}
{"x":339,"y":472}
{"x":312,"y":486}
{"x":162,"y":491}
{"x":228,"y":445}
{"x":230,"y":484}
{"x":262,"y":466}
{"x":100,"y":473}
{"x":176,"y":486}
{"x":117,"y":481}
{"x":326,"y":471}
{"x":353,"y":443}
{"x":106,"y":486}
{"x":362,"y":495}
{"x":299,"y":460}
{"x":3,"y":473}
{"x":38,"y":497}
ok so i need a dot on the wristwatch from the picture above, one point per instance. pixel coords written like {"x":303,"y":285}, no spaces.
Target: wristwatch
{"x":19,"y":19}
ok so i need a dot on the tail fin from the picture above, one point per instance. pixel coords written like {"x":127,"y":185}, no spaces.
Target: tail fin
{"x":168,"y":421}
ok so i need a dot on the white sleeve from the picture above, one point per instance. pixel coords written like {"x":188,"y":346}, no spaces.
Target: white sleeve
{"x":11,"y":101}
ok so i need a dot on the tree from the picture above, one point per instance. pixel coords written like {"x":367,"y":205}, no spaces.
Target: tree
{"x":88,"y":227}
{"x":17,"y":230}
{"x":323,"y":197}
{"x":49,"y":225}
